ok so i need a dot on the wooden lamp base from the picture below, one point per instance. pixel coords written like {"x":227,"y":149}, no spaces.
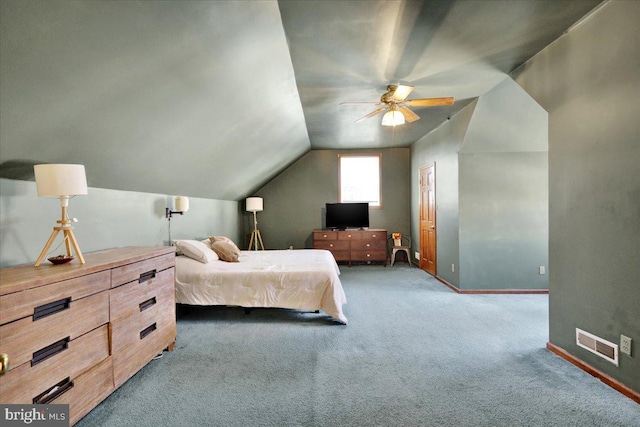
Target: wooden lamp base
{"x":69,"y":238}
{"x":255,"y":235}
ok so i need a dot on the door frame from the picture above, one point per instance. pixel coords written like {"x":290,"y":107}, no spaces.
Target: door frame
{"x":422,"y":244}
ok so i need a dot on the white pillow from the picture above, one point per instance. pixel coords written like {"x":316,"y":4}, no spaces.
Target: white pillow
{"x":196,"y":250}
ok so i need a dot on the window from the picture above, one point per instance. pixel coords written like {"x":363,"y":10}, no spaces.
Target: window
{"x":359,"y":179}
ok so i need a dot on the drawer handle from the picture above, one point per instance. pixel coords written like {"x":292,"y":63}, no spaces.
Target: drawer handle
{"x":368,"y":245}
{"x":348,"y":235}
{"x":50,"y":351}
{"x":373,"y":235}
{"x":148,"y":303}
{"x":330,"y":245}
{"x":324,"y":235}
{"x":147,"y":276}
{"x":4,"y":363}
{"x":52,"y":393}
{"x":51,"y":308}
{"x":146,"y":331}
{"x":368,"y":255}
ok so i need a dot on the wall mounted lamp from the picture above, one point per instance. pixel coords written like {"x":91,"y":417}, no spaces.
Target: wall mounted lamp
{"x":181,"y":206}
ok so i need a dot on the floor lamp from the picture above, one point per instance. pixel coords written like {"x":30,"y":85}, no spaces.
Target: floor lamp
{"x":254,"y":204}
{"x":61,"y":181}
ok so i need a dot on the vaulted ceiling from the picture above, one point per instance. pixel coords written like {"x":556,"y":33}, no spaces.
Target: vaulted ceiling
{"x":351,"y":50}
{"x":212,"y":99}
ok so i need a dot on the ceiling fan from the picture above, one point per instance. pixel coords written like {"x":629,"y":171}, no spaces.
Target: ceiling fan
{"x":397,"y":111}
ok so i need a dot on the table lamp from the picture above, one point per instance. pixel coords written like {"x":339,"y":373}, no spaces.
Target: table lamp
{"x":61,"y":181}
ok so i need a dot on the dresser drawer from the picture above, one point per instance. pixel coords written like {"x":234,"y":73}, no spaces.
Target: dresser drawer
{"x":341,"y":255}
{"x":89,"y":389}
{"x":375,"y":235}
{"x":136,"y":340}
{"x":136,"y":297}
{"x":65,"y":359}
{"x":349,"y":235}
{"x":368,"y":256}
{"x":369,"y":245}
{"x":325,"y":235}
{"x":141,"y":271}
{"x":132,"y":330}
{"x":22,"y":338}
{"x":23,"y":304}
{"x":332,"y":245}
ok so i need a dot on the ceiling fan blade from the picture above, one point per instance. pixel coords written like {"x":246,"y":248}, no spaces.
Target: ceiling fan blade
{"x":429,"y":102}
{"x":409,"y":115}
{"x":359,"y":102}
{"x":373,"y":113}
{"x":401,"y":92}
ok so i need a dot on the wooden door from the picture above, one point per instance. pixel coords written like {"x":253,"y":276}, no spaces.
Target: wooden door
{"x":428,"y":219}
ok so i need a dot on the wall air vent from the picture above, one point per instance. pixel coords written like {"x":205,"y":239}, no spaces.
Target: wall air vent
{"x":603,"y":348}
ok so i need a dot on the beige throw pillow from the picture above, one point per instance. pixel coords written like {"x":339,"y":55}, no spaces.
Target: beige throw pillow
{"x":214,"y":239}
{"x":225,"y":251}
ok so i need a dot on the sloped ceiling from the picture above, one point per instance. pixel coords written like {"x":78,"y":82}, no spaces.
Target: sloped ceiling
{"x":212,"y":99}
{"x":171,"y":97}
{"x":351,"y":50}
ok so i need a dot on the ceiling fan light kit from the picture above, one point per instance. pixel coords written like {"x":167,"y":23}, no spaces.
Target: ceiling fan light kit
{"x":393,"y":118}
{"x":397,"y":111}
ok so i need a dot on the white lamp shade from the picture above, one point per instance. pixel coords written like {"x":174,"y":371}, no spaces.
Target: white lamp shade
{"x":254,"y":204}
{"x":182,"y":204}
{"x":393,"y":118}
{"x":60,"y":180}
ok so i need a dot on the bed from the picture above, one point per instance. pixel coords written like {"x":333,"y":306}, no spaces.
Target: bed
{"x":304,"y":279}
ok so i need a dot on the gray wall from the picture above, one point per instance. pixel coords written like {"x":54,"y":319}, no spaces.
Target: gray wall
{"x":106,"y":219}
{"x":503,"y":220}
{"x":441,"y":146}
{"x":589,"y":83}
{"x":294,"y":202}
{"x":491,"y":192}
{"x":503,"y":193}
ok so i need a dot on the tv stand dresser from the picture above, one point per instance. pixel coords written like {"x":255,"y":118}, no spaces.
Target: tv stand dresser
{"x":73,"y":333}
{"x":351,"y":246}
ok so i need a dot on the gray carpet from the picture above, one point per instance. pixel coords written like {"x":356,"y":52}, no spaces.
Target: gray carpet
{"x":414,"y":354}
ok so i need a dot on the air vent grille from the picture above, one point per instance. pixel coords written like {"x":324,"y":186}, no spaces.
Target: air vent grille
{"x":596,"y":345}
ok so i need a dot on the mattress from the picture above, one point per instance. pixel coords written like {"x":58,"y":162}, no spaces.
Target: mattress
{"x":305,"y":279}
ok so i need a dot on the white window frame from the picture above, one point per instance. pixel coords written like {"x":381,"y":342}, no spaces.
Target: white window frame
{"x":343,"y":179}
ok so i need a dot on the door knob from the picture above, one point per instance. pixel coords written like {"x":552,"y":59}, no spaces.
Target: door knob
{"x":4,"y":363}
{"x":432,"y":227}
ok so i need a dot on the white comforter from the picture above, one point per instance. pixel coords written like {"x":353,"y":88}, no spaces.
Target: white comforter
{"x":298,"y":279}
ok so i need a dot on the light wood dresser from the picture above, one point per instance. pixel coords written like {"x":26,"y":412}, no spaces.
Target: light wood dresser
{"x":353,"y":245}
{"x":73,"y":333}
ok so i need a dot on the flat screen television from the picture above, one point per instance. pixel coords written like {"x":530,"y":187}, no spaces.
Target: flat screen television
{"x":341,"y":216}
